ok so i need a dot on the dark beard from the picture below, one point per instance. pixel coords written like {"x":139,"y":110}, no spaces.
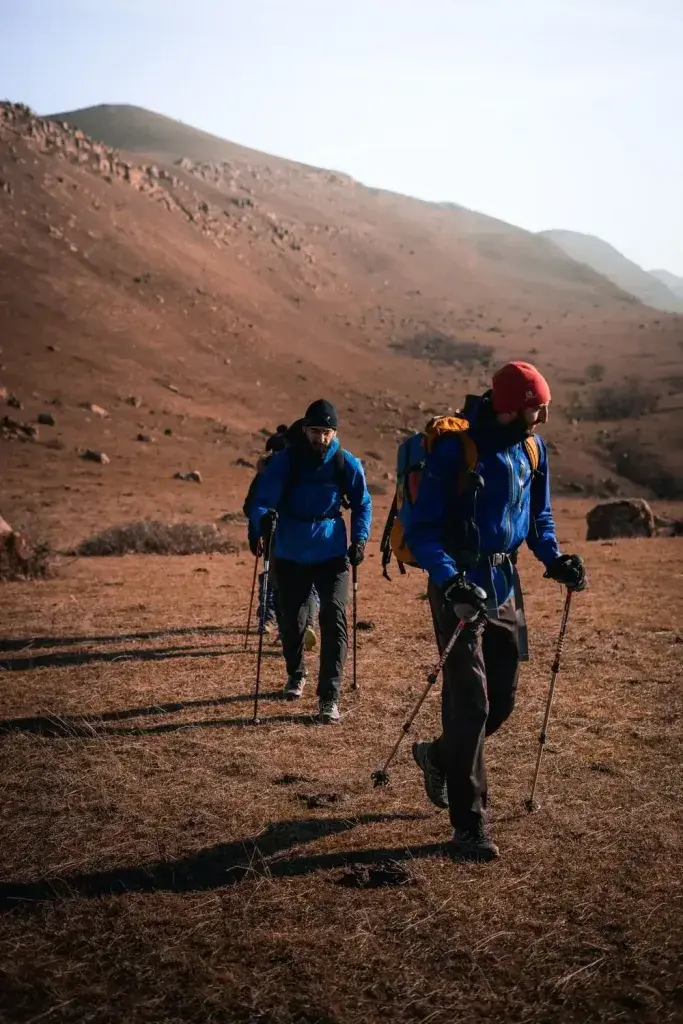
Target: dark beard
{"x":490,"y":436}
{"x":314,"y":455}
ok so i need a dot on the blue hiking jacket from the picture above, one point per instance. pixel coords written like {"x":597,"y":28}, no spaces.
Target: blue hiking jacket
{"x":512,"y":507}
{"x":306,"y":493}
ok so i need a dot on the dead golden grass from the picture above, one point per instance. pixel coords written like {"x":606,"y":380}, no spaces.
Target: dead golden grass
{"x":163,"y":860}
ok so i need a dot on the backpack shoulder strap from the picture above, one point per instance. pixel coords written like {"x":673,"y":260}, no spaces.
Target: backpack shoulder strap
{"x":531,"y":447}
{"x":340,"y":474}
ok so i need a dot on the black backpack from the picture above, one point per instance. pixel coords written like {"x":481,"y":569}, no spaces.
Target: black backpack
{"x":339,"y":472}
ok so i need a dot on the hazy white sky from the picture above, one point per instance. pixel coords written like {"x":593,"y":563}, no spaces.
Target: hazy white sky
{"x":546,"y":113}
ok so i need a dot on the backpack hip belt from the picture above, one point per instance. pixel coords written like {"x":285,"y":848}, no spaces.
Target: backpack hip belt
{"x":470,"y":560}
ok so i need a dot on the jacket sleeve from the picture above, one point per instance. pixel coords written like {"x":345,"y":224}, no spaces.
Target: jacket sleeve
{"x":359,"y":499}
{"x":270,"y":485}
{"x":424,"y":535}
{"x":541,"y":537}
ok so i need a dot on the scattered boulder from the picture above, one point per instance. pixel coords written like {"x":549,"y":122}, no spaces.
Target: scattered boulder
{"x":46,"y":419}
{"x":97,"y":410}
{"x":14,"y":402}
{"x":192,"y":477}
{"x":4,"y":394}
{"x":134,"y":400}
{"x":145,"y":438}
{"x":668,"y":527}
{"x":245,"y":463}
{"x":621,"y":517}
{"x":12,"y":430}
{"x":92,"y":456}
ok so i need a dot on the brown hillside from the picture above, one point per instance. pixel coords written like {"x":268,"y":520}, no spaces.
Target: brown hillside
{"x":251,"y":287}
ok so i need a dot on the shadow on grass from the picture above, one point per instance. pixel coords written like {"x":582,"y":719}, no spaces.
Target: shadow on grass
{"x":224,"y":864}
{"x":98,"y":657}
{"x":58,"y":726}
{"x":27,"y":643}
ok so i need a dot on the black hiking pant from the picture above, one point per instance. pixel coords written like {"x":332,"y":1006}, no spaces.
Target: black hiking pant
{"x":294,"y":582}
{"x":479,"y":687}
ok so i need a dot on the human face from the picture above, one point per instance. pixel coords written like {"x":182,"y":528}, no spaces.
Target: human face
{"x":320,"y":438}
{"x":535,"y":416}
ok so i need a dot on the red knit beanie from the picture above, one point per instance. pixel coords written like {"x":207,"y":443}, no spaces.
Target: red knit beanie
{"x":518,"y":386}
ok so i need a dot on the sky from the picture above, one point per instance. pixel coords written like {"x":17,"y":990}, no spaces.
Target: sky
{"x":545,"y":113}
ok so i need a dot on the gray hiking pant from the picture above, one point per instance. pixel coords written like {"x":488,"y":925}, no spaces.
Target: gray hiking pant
{"x":294,"y":583}
{"x":479,"y":687}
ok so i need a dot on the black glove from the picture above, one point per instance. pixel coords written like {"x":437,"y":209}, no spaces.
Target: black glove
{"x":356,"y":552}
{"x":568,"y":570}
{"x":466,"y":599}
{"x":255,"y":545}
{"x":267,"y":526}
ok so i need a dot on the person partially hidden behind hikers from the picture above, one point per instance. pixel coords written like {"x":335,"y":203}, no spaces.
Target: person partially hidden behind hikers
{"x":308,"y":484}
{"x":467,"y":536}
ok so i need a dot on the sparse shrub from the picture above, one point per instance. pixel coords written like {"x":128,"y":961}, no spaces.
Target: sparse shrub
{"x":595,"y":372}
{"x":439,"y":348}
{"x":628,"y":400}
{"x":643,"y":467}
{"x":152,"y":538}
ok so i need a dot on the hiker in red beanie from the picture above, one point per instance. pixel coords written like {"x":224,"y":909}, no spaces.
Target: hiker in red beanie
{"x":484,"y":491}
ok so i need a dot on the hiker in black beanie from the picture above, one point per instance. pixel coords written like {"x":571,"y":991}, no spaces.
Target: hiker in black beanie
{"x":308,"y":484}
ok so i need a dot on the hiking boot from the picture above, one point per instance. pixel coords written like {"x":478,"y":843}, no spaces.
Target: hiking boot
{"x":434,"y":779}
{"x":329,"y":712}
{"x":294,"y":688}
{"x":310,"y":638}
{"x":473,"y":844}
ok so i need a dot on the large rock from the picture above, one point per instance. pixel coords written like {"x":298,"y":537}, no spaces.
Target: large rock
{"x":623,"y":517}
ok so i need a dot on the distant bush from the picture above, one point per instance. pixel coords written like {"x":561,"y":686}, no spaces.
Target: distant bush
{"x":628,"y":400}
{"x":439,"y":348}
{"x":152,"y":538}
{"x":595,"y":372}
{"x":643,"y":467}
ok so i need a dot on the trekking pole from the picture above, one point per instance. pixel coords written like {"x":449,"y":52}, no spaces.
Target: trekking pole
{"x":530,"y":803}
{"x":267,"y":548}
{"x":354,"y":575}
{"x":381,"y":777}
{"x":251,"y":602}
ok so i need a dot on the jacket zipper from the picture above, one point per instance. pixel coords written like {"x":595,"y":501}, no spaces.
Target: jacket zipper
{"x":510,"y":504}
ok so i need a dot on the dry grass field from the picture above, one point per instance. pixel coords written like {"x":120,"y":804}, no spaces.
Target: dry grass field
{"x":163,"y":860}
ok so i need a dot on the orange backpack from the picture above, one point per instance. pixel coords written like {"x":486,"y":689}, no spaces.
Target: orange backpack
{"x":410,"y":462}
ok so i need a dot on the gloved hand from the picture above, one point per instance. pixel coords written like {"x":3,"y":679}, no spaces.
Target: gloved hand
{"x":255,"y":545}
{"x":568,"y":570}
{"x":267,"y":526}
{"x":356,"y":552}
{"x":466,"y":599}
